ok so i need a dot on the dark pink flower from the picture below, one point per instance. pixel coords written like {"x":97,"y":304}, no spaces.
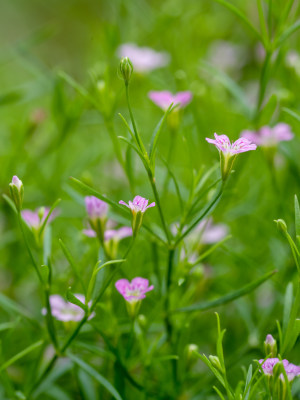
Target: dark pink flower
{"x":144,"y":59}
{"x":139,"y":204}
{"x":223,"y":144}
{"x":269,"y":137}
{"x":135,"y":290}
{"x":164,"y":98}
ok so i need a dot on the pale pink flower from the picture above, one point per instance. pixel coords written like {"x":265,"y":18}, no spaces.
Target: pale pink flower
{"x":144,"y":59}
{"x":164,"y":99}
{"x":16,"y":182}
{"x":139,"y":204}
{"x":269,"y":137}
{"x":95,"y":207}
{"x":291,"y":370}
{"x":35,"y":219}
{"x":135,"y":290}
{"x":223,"y":144}
{"x":210,"y":232}
{"x":66,"y":311}
{"x":111,"y":234}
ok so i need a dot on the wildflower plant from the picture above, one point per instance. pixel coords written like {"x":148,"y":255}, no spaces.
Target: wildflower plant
{"x":102,"y":298}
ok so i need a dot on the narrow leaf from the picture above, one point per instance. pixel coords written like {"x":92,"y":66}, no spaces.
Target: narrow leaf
{"x":20,"y":355}
{"x":229,"y":297}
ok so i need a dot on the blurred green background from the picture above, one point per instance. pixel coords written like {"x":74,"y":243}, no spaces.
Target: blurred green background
{"x":49,"y":132}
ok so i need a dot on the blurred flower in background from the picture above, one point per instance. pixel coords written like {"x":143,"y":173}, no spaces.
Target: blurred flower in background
{"x":164,"y":99}
{"x":144,"y":59}
{"x":269,"y":137}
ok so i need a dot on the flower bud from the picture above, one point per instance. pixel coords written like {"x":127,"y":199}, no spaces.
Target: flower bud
{"x":126,"y":69}
{"x":189,"y":354}
{"x":215,"y":362}
{"x":17,"y":192}
{"x":270,"y":346}
{"x":281,"y":225}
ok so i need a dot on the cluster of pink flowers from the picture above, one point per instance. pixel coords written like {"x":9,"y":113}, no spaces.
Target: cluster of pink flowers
{"x":135,"y":290}
{"x":223,"y":144}
{"x":291,"y":370}
{"x":65,"y":311}
{"x":269,"y":137}
{"x":164,"y":99}
{"x":144,"y":59}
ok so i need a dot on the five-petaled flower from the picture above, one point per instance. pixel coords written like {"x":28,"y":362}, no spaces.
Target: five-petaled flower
{"x":138,"y":207}
{"x":164,"y":99}
{"x":269,"y":137}
{"x":228,"y":151}
{"x":35,"y":219}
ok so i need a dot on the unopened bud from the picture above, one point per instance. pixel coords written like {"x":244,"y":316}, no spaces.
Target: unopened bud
{"x":215,"y":362}
{"x":17,"y":192}
{"x":142,"y":321}
{"x":190,"y":354}
{"x":126,"y":69}
{"x":270,"y":346}
{"x":281,"y":225}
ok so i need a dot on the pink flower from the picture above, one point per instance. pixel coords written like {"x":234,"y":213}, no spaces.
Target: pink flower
{"x":144,"y":59}
{"x":210,"y":232}
{"x":16,"y":182}
{"x":65,"y":311}
{"x":35,"y":219}
{"x":223,"y":144}
{"x":111,"y":234}
{"x":269,"y":137}
{"x":135,"y":290}
{"x":95,"y":207}
{"x":291,"y":370}
{"x":164,"y":99}
{"x":139,"y":204}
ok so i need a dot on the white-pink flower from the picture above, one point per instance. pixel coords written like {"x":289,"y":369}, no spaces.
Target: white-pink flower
{"x":35,"y":219}
{"x":135,"y":290}
{"x":65,"y":311}
{"x":223,"y":144}
{"x":291,"y":370}
{"x":139,"y":204}
{"x":164,"y":99}
{"x":269,"y":137}
{"x":144,"y":59}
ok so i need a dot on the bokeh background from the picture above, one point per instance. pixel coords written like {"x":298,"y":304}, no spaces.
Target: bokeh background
{"x":49,"y":132}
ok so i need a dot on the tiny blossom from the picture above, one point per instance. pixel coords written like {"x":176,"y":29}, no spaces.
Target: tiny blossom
{"x":34,"y":219}
{"x":223,"y":144}
{"x":16,"y":182}
{"x":269,"y":137}
{"x":269,"y":339}
{"x":139,"y":204}
{"x":144,"y":59}
{"x":95,"y":207}
{"x":165,"y":98}
{"x":65,"y":311}
{"x":135,"y":290}
{"x":291,"y":370}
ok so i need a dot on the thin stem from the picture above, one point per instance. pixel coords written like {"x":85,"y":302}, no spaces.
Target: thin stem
{"x":156,"y":195}
{"x":263,"y":81}
{"x":132,"y":120}
{"x":205,"y":212}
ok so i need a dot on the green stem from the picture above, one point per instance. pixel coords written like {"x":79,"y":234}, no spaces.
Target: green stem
{"x":137,"y":136}
{"x":263,"y":81}
{"x":157,"y":200}
{"x":205,"y":212}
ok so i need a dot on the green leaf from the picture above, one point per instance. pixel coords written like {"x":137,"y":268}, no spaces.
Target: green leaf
{"x":292,"y":113}
{"x":157,"y":132}
{"x":21,"y":354}
{"x":10,"y":203}
{"x":72,"y":263}
{"x":211,"y":250}
{"x":45,"y":273}
{"x":10,"y":97}
{"x":287,"y":33}
{"x":248,"y":383}
{"x":297,"y":216}
{"x":227,"y":298}
{"x":48,"y":216}
{"x":87,"y":385}
{"x":74,"y":300}
{"x":241,"y":16}
{"x":87,"y":190}
{"x":14,"y":308}
{"x":96,"y":375}
{"x":268,"y":110}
